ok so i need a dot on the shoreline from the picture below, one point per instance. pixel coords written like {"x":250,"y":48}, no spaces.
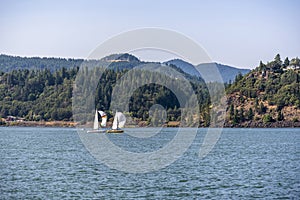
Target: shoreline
{"x":71,"y":124}
{"x":58,"y":124}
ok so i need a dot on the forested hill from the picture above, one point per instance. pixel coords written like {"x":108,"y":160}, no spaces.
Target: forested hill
{"x":36,"y":95}
{"x":10,"y":63}
{"x":114,"y":61}
{"x":267,"y":96}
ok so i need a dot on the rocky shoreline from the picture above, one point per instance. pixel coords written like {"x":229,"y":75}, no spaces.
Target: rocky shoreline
{"x":254,"y":124}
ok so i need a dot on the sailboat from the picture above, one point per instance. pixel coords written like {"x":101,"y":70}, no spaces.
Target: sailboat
{"x":96,"y":122}
{"x":119,"y":122}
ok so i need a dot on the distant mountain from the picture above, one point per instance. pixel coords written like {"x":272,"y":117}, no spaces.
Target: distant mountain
{"x":114,"y":61}
{"x":117,"y":62}
{"x":120,"y":58}
{"x":227,"y":73}
{"x":184,"y":66}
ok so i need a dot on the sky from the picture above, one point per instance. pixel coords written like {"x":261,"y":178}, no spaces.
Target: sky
{"x":239,"y":33}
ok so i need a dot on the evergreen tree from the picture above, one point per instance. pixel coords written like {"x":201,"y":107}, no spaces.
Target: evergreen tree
{"x":280,"y":116}
{"x":238,"y":77}
{"x":236,"y":116}
{"x":277,"y":60}
{"x":295,"y":61}
{"x":286,"y":62}
{"x":262,"y":108}
{"x":256,"y":104}
{"x":262,"y":66}
{"x":250,"y":114}
{"x":231,"y":111}
{"x":241,"y":115}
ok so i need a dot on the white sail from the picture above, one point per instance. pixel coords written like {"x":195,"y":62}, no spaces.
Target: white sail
{"x":96,"y":123}
{"x":102,"y":113}
{"x":121,"y":119}
{"x":103,"y":118}
{"x":115,"y":122}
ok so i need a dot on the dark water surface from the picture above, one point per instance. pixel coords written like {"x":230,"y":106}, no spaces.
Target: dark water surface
{"x":52,"y":163}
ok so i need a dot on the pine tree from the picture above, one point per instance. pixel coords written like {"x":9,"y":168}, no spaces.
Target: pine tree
{"x":280,"y":116}
{"x":295,"y":61}
{"x":286,"y":62}
{"x":241,"y":115}
{"x":231,"y":111}
{"x":277,"y":60}
{"x":262,"y":108}
{"x":262,"y":66}
{"x":236,"y":118}
{"x":256,"y":104}
{"x":238,"y":77}
{"x":250,"y":114}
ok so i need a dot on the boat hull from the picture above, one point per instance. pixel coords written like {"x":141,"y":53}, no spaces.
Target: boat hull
{"x":115,"y":131}
{"x":96,"y":131}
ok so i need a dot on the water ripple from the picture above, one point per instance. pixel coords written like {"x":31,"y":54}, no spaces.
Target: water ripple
{"x":52,"y":163}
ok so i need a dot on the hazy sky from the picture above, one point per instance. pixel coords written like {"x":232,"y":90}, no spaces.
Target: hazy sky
{"x":238,"y":33}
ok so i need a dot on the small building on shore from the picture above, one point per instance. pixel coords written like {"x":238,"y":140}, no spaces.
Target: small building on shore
{"x":13,"y":119}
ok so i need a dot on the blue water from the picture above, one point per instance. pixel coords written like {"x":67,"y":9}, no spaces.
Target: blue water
{"x":52,"y":163}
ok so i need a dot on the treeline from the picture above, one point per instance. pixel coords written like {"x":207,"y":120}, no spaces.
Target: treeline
{"x":9,"y":63}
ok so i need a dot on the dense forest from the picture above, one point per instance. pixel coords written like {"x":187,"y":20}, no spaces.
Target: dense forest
{"x":269,"y":93}
{"x":45,"y":95}
{"x":37,"y":94}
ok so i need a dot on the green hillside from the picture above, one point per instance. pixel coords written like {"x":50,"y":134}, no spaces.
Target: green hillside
{"x":268,"y":94}
{"x":44,"y":95}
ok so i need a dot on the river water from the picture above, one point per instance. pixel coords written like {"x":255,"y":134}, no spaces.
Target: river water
{"x":53,"y":163}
